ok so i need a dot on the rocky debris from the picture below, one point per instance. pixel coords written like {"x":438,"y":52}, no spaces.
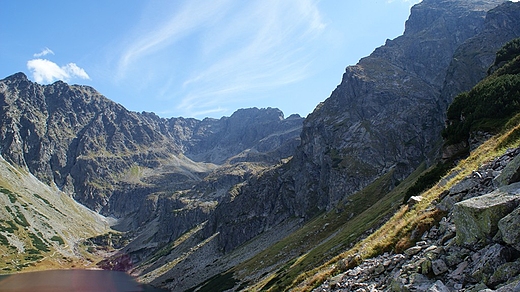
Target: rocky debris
{"x":510,"y":174}
{"x":442,"y":260}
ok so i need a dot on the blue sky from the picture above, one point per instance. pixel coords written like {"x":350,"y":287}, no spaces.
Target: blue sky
{"x":195,"y":58}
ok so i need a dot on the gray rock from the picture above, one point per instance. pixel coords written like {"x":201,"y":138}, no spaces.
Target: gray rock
{"x":510,"y":174}
{"x":487,"y":261}
{"x":511,"y":287}
{"x":458,"y":273}
{"x":463,"y":186}
{"x":503,"y":273}
{"x":438,"y":287}
{"x":509,"y":227}
{"x":413,"y":250}
{"x":439,"y":267}
{"x":477,"y":219}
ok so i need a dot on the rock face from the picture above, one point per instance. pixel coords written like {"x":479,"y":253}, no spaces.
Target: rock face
{"x":387,"y":111}
{"x":473,"y":58}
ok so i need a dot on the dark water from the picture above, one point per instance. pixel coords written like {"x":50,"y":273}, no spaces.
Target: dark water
{"x":72,"y":280}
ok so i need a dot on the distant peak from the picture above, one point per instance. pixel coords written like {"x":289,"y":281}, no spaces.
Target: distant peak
{"x":18,"y":76}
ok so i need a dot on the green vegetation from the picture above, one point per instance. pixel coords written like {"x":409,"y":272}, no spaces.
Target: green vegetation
{"x":38,"y":243}
{"x":43,"y":199}
{"x":58,"y":239}
{"x":491,"y":103}
{"x":49,"y":204}
{"x":508,"y":52}
{"x":33,"y":257}
{"x":428,"y":179}
{"x":3,"y":240}
{"x":18,"y":217}
{"x":11,"y":195}
{"x":11,"y":228}
{"x":220,"y":282}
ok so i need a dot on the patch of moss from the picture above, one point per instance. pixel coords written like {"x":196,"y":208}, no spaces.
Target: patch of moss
{"x":3,"y":240}
{"x":20,"y":218}
{"x":58,"y":239}
{"x":48,"y":204}
{"x":33,"y":257}
{"x":220,"y":282}
{"x":11,"y":195}
{"x":11,"y":228}
{"x":38,"y":243}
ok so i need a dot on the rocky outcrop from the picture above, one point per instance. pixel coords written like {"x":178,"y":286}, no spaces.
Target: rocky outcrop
{"x":244,"y":136}
{"x":509,"y":228}
{"x":474,"y":57}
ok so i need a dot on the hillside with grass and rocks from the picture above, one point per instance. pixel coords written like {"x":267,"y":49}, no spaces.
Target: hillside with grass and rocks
{"x":405,"y":179}
{"x":464,"y":235}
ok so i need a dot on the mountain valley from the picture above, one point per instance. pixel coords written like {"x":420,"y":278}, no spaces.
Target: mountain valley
{"x":262,"y":202}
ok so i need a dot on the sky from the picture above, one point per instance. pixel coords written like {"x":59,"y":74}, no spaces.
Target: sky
{"x":195,"y":58}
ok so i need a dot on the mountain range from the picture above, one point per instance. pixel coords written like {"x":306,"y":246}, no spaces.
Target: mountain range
{"x":254,"y":201}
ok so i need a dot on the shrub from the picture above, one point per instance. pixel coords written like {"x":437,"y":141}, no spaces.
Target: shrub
{"x":508,"y":52}
{"x":428,"y":179}
{"x":491,"y":103}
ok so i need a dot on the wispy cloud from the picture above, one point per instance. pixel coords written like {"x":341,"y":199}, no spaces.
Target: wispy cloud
{"x":45,"y":71}
{"x":190,"y":16}
{"x":227,"y":48}
{"x":44,"y":52}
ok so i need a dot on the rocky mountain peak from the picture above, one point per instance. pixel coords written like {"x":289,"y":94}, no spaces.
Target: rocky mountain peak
{"x":77,"y":139}
{"x":430,"y":15}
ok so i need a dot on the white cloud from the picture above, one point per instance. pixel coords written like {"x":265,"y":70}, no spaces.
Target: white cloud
{"x":44,"y":52}
{"x":45,"y":71}
{"x":75,"y":71}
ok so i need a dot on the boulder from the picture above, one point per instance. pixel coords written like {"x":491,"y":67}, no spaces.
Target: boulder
{"x":509,"y":227}
{"x":504,"y":272}
{"x":476,"y":219}
{"x":438,"y":287}
{"x":510,"y":174}
{"x":439,"y":267}
{"x":487,"y":261}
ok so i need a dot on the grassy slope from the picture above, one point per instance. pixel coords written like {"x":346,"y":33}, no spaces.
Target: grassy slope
{"x":40,"y":226}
